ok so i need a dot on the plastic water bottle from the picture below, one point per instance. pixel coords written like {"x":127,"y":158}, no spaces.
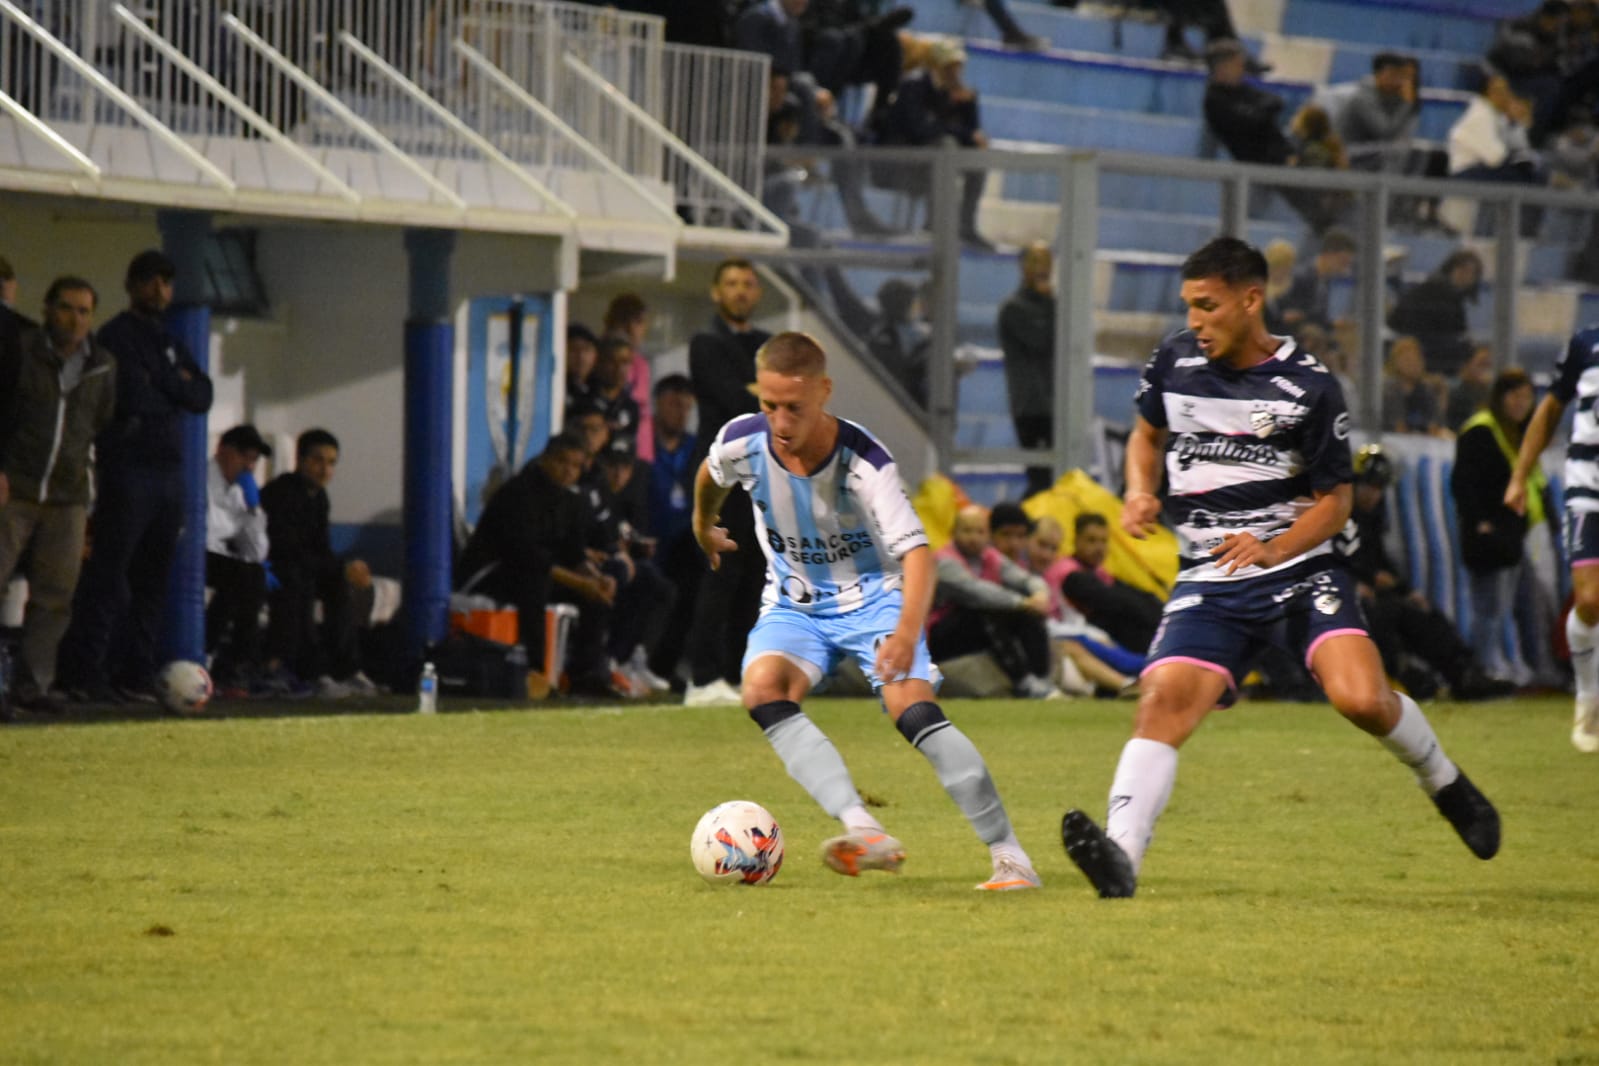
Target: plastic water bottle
{"x":427,"y":690}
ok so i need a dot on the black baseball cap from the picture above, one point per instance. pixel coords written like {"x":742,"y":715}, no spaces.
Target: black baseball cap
{"x":151,"y":263}
{"x":247,"y":438}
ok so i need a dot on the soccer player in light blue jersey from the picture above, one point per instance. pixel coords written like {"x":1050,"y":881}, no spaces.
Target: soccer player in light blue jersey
{"x":1576,"y":379}
{"x":849,"y":572}
{"x":1251,"y":435}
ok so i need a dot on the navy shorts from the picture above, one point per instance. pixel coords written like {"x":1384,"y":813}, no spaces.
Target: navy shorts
{"x":1222,"y":625}
{"x":1582,"y":537}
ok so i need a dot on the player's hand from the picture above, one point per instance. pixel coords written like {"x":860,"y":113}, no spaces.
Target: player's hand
{"x":1037,"y":603}
{"x":713,"y":541}
{"x":894,"y":658}
{"x":1139,"y":512}
{"x":1243,"y":549}
{"x":602,"y":588}
{"x":1516,"y":494}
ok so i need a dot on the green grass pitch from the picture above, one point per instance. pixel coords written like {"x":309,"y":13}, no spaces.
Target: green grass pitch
{"x":507,"y":887}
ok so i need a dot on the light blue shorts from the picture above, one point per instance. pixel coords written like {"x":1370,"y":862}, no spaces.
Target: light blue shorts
{"x":816,"y":645}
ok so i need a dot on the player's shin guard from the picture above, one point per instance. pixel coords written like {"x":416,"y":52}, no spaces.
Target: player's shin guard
{"x":1413,"y":743}
{"x":807,"y":754}
{"x":1138,"y":793}
{"x":960,"y":769}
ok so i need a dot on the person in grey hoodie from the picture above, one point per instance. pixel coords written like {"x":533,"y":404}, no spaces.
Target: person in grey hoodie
{"x":56,"y":393}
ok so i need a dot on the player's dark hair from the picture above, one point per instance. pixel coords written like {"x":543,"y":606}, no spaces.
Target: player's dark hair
{"x":1234,"y":261}
{"x":1385,"y":60}
{"x":792,"y":353}
{"x":733,"y":262}
{"x":1005,"y":514}
{"x":1086,"y":519}
{"x":673,"y":383}
{"x":563,"y":442}
{"x":314,"y":438}
{"x":626,"y":309}
{"x":69,"y":283}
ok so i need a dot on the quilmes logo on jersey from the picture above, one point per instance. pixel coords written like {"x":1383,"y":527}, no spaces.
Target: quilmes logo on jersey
{"x":1191,"y":450}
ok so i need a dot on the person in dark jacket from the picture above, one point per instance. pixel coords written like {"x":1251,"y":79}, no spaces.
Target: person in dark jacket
{"x":1434,"y":312}
{"x":530,"y":548}
{"x":57,"y":391}
{"x":1027,"y":339}
{"x":1418,"y":643}
{"x":721,"y":363}
{"x":109,"y":651}
{"x":307,"y":571}
{"x":1493,"y":537}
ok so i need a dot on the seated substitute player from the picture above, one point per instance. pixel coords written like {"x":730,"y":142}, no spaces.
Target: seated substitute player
{"x":848,"y":572}
{"x":1576,"y":378}
{"x":1254,"y":437}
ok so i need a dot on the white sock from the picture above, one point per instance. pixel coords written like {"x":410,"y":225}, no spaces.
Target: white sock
{"x":1138,"y":794}
{"x":1413,"y":743}
{"x":1583,"y":639}
{"x":857,"y":819}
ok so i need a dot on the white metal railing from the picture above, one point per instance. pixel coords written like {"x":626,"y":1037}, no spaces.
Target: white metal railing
{"x":715,"y":101}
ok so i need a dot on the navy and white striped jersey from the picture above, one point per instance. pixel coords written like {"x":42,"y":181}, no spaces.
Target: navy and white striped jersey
{"x":1246,"y":449}
{"x":834,"y":539}
{"x":1577,"y":377}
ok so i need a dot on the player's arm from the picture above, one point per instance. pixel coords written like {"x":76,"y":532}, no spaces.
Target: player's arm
{"x":1319,"y":521}
{"x":708,"y":500}
{"x":1146,"y":451}
{"x":1540,"y":430}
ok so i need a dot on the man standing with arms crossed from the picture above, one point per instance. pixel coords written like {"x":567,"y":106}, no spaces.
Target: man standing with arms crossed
{"x":848,"y":572}
{"x":1253,"y":436}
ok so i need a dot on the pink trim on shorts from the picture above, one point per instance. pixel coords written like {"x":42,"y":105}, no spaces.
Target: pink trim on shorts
{"x":1310,"y":652}
{"x":1577,"y":564}
{"x":1191,"y":661}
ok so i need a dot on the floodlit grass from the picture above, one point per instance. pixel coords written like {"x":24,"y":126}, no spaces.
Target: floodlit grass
{"x":516,"y":887}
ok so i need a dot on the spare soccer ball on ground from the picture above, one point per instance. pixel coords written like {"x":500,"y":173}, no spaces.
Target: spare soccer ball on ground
{"x":737,"y":842}
{"x":183,"y":687}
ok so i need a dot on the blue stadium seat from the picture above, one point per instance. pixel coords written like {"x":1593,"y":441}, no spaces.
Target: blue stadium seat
{"x":1446,"y":27}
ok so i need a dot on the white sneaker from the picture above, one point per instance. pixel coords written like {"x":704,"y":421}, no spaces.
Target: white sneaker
{"x":1585,"y":727}
{"x":329,"y":689}
{"x":1009,"y":876}
{"x":854,"y":852}
{"x":717,"y":694}
{"x":638,"y":668}
{"x":1033,"y":687}
{"x":361,"y":685}
{"x":1072,"y":680}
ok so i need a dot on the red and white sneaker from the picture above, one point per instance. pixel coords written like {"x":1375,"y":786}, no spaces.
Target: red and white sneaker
{"x":1010,"y":876}
{"x":854,"y":852}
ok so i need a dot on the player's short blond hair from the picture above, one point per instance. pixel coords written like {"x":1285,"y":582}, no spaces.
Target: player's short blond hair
{"x":793,"y":354}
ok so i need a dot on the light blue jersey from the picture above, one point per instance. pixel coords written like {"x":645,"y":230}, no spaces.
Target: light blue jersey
{"x":833,"y":540}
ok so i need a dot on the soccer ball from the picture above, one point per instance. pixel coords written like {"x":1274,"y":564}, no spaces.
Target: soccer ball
{"x":737,"y":842}
{"x":183,"y":687}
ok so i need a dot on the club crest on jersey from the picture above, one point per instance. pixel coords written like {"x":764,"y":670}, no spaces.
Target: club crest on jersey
{"x":1263,"y":423}
{"x":1327,"y":603}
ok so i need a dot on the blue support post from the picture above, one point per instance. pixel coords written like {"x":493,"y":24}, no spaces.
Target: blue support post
{"x":429,"y":353}
{"x":183,"y":238}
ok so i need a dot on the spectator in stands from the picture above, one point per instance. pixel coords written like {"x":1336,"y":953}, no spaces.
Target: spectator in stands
{"x":1418,"y":643}
{"x":900,"y":338}
{"x":139,"y":495}
{"x":582,"y":351}
{"x":1491,"y":141}
{"x":1378,"y":120}
{"x":845,"y":46}
{"x":1469,"y":393}
{"x":1307,"y":299}
{"x":609,"y":389}
{"x":1575,"y":153}
{"x":308,"y":572}
{"x":585,"y":420}
{"x":1527,"y":53}
{"x":57,"y":392}
{"x":1317,"y":147}
{"x":721,"y":360}
{"x":1082,"y":672}
{"x":236,"y":551}
{"x":8,"y":289}
{"x":1245,"y":118}
{"x":12,"y":324}
{"x":1434,"y":311}
{"x":1128,"y":614}
{"x":936,"y":106}
{"x":1493,"y":537}
{"x":627,"y":317}
{"x":1412,"y":399}
{"x":1210,"y":16}
{"x":1281,"y":258}
{"x":987,"y":602}
{"x":530,"y":549}
{"x":671,"y":508}
{"x":1027,"y":340}
{"x":618,"y":492}
{"x":1008,"y":529}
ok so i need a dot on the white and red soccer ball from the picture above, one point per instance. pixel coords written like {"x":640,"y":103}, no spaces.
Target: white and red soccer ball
{"x":183,"y":687}
{"x":737,"y":843}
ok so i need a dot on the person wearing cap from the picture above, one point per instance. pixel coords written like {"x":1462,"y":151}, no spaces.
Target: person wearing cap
{"x":618,"y":491}
{"x":236,"y":548}
{"x":1418,"y":643}
{"x":57,"y":391}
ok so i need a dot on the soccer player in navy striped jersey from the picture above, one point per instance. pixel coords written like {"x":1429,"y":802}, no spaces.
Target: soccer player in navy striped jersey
{"x":1252,"y":436}
{"x":848,"y":572}
{"x":1576,"y":378}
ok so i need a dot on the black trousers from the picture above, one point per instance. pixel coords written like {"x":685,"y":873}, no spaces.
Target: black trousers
{"x":1400,"y":626}
{"x":683,"y":564}
{"x":1018,"y":641}
{"x":1036,"y":431}
{"x":293,"y":636}
{"x":233,"y":617}
{"x":729,"y":599}
{"x":525,"y":584}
